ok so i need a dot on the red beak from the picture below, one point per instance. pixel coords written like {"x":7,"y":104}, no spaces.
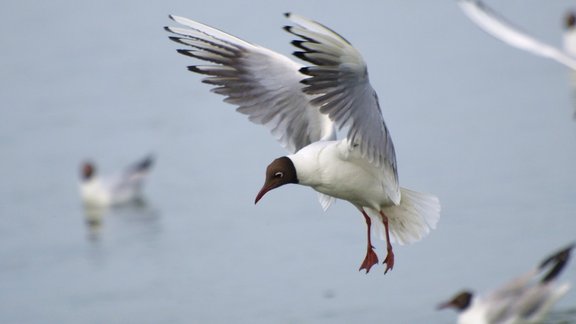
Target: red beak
{"x":444,"y":305}
{"x":261,"y":194}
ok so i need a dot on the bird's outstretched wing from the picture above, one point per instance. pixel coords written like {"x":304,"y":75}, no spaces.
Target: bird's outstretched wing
{"x":339,"y":79}
{"x":265,"y":85}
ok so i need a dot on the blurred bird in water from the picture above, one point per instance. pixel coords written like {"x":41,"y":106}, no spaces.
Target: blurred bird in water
{"x":114,"y":189}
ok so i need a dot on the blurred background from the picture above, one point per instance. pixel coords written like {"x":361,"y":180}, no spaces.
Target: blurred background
{"x":486,"y":127}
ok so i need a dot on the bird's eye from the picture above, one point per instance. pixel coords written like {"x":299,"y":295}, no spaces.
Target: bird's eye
{"x":279,"y":175}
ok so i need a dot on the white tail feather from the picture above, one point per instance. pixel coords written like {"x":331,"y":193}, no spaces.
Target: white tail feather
{"x":325,"y":201}
{"x":411,"y":220}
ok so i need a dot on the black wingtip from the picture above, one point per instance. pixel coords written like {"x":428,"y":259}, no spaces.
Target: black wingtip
{"x":561,"y":254}
{"x":559,"y":259}
{"x":148,"y":161}
{"x":178,"y":40}
{"x":301,"y":45}
{"x":194,"y":68}
{"x":185,"y":52}
{"x":145,"y":164}
{"x":300,"y":55}
{"x":304,"y":70}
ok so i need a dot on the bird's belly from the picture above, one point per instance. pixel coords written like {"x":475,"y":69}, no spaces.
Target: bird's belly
{"x":96,"y":199}
{"x":94,"y":195}
{"x":356,"y":185}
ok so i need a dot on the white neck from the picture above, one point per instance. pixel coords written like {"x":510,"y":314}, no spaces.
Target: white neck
{"x":570,"y":41}
{"x":307,"y":163}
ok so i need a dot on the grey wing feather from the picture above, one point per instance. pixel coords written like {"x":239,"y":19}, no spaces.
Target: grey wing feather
{"x":132,"y":178}
{"x":502,"y":300}
{"x":263,"y":84}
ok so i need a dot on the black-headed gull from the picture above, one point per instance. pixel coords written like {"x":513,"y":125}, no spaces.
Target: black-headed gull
{"x":500,"y":28}
{"x":122,"y":187}
{"x":526,"y":299}
{"x":303,"y":107}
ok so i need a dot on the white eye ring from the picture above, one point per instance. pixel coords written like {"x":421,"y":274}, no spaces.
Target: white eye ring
{"x":279,"y":174}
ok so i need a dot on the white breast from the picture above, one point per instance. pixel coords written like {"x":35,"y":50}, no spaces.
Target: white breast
{"x":333,"y":168}
{"x":94,"y":193}
{"x":475,"y":314}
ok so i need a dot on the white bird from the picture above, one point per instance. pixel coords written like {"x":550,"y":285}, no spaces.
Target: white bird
{"x":303,"y":107}
{"x":113,"y":189}
{"x":500,"y":28}
{"x":526,"y":299}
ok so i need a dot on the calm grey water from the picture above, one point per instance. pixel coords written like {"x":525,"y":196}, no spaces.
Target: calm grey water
{"x":487,"y":128}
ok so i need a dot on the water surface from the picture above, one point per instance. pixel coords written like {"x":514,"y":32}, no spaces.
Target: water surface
{"x":487,"y":128}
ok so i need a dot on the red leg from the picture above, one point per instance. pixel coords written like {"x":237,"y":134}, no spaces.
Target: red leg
{"x":389,"y":261}
{"x":371,"y":257}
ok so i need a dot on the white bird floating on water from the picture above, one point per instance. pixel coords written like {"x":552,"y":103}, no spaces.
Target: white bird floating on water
{"x":526,"y":299}
{"x":499,"y":27}
{"x":302,"y":107}
{"x":113,"y":189}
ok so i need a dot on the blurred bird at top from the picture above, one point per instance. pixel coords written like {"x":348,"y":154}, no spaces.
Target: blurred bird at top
{"x":526,"y":299}
{"x":114,"y":189}
{"x":303,"y":107}
{"x":499,"y":27}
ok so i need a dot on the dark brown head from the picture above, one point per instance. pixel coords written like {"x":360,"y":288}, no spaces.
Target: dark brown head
{"x":460,"y":302}
{"x":88,"y":170}
{"x":570,"y":20}
{"x":280,"y":172}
